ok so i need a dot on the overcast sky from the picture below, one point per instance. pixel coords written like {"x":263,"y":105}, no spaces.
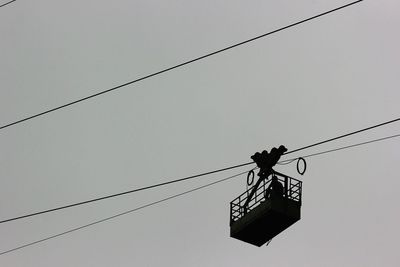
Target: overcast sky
{"x":320,"y":79}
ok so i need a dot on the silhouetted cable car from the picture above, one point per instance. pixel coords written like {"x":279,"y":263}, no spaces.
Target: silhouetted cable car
{"x":266,"y":209}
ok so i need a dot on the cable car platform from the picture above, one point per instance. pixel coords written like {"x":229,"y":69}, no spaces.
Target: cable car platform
{"x":267,"y":214}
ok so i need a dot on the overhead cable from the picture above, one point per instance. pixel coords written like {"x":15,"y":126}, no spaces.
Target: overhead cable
{"x":180,"y":194}
{"x":189,"y":177}
{"x":119,"y":214}
{"x":7,"y":3}
{"x":288,"y":161}
{"x":176,"y":66}
{"x":122,"y":193}
{"x":344,"y":135}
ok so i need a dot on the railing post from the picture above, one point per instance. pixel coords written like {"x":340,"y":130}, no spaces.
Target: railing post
{"x":286,"y":187}
{"x":263,"y":191}
{"x":300,"y":189}
{"x":230,"y":217}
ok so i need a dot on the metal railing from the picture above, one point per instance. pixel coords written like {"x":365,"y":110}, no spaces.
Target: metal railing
{"x":292,"y":191}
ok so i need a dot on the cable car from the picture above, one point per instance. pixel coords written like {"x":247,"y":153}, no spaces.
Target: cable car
{"x":266,"y":209}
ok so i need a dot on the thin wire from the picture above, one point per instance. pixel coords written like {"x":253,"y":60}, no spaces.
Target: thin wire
{"x":286,"y":162}
{"x":120,"y":214}
{"x":182,"y":179}
{"x":7,"y":3}
{"x":122,"y":193}
{"x":177,"y":66}
{"x":180,"y":194}
{"x":344,"y":135}
{"x":340,"y":148}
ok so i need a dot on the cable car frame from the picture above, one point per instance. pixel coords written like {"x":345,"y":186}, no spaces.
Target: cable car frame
{"x":265,"y":215}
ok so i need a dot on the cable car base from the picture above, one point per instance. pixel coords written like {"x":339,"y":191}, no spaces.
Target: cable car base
{"x":266,"y":221}
{"x":266,"y":216}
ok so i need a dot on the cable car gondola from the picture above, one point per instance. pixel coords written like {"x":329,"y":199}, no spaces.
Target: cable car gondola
{"x":270,"y":206}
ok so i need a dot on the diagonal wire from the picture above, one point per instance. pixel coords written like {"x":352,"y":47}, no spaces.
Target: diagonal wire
{"x":122,"y":193}
{"x":286,"y":162}
{"x":7,"y":3}
{"x":344,"y":135}
{"x":180,"y":194}
{"x":340,"y":148}
{"x":119,"y":214}
{"x":183,"y":179}
{"x":176,"y":66}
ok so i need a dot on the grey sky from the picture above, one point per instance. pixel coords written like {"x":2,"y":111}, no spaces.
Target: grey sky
{"x":324,"y":78}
